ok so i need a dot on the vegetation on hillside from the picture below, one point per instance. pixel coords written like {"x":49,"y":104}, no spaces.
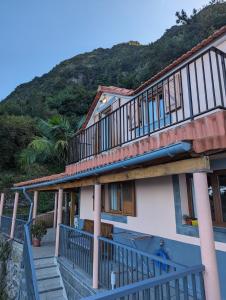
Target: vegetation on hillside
{"x":67,"y":90}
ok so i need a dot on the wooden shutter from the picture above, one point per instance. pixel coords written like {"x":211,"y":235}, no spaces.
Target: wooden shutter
{"x":172,"y":93}
{"x":128,"y":197}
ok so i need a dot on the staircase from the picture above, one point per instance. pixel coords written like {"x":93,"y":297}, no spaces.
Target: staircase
{"x":50,"y":284}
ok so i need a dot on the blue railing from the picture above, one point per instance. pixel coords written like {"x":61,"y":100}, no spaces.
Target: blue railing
{"x":185,"y":284}
{"x":77,"y":247}
{"x":28,"y":264}
{"x":6,"y":223}
{"x":19,"y":230}
{"x":129,"y":265}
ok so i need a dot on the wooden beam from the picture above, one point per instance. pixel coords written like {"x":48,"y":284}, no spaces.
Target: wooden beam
{"x":191,"y":165}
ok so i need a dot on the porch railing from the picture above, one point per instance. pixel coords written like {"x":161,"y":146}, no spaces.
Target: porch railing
{"x":19,"y":230}
{"x":185,"y":284}
{"x":129,"y":265}
{"x":195,"y":88}
{"x":77,"y":247}
{"x":28,"y":265}
{"x":5,"y":225}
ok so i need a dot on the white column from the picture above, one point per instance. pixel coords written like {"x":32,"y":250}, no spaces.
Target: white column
{"x":207,"y":246}
{"x":59,"y":220}
{"x":97,"y":232}
{"x":2,"y":203}
{"x":35,"y":204}
{"x":55,"y":212}
{"x":14,"y":215}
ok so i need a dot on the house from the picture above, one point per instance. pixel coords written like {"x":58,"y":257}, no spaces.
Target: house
{"x":147,"y":178}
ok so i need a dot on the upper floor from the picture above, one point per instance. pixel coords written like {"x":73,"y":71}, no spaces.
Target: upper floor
{"x":192,"y":87}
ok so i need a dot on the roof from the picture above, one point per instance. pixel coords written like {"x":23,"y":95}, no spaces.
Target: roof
{"x":105,"y":89}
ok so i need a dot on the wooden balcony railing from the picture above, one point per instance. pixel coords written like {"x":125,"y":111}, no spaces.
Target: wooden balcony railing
{"x":191,"y":90}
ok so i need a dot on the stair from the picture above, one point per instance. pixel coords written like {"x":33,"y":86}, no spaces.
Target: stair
{"x":50,"y":285}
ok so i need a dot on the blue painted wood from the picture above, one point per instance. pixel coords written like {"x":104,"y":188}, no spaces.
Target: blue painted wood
{"x":148,"y":284}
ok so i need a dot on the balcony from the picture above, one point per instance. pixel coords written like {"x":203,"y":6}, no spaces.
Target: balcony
{"x":189,"y":92}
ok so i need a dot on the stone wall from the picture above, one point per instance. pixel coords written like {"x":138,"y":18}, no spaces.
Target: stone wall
{"x":13,"y":270}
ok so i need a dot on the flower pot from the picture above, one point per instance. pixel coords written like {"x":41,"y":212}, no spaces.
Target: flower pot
{"x":194,"y":222}
{"x":36,"y":242}
{"x":188,"y":222}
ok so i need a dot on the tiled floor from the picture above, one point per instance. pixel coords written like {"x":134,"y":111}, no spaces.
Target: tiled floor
{"x":47,"y":248}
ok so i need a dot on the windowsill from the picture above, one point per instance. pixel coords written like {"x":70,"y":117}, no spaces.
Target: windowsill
{"x":113,"y":217}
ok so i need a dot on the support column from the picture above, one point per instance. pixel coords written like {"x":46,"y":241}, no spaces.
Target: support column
{"x":59,"y":220}
{"x":97,"y":232}
{"x":14,"y":215}
{"x":207,"y":245}
{"x":2,"y":204}
{"x":35,"y":205}
{"x":55,"y":212}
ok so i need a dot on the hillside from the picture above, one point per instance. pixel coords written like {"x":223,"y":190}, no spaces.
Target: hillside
{"x":69,"y":87}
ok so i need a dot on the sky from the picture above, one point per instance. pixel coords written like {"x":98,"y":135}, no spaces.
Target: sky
{"x":35,"y":35}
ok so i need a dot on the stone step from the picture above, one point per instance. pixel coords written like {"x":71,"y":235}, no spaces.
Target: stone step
{"x":44,"y":262}
{"x":49,"y":284}
{"x":52,"y":295}
{"x":46,"y":272}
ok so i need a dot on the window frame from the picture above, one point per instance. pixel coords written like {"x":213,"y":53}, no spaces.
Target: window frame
{"x":217,"y":204}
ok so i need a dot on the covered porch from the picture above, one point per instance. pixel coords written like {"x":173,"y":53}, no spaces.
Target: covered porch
{"x":109,"y":264}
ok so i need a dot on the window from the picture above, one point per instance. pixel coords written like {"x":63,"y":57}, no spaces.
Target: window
{"x":121,"y":198}
{"x":217,"y":197}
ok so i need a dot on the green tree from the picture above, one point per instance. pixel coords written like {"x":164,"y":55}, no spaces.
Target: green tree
{"x":51,"y":145}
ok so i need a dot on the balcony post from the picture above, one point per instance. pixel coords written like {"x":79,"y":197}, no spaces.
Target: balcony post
{"x":207,"y":245}
{"x":55,"y":211}
{"x":97,"y":232}
{"x":59,"y":220}
{"x":35,"y":205}
{"x":14,"y":215}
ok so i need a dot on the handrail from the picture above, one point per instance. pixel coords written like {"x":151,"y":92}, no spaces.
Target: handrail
{"x":151,"y":256}
{"x":77,"y":230}
{"x":146,"y":284}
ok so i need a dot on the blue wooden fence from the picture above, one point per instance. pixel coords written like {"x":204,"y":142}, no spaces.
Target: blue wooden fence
{"x":129,"y":265}
{"x":6,"y":222}
{"x":77,"y":247}
{"x":185,"y":284}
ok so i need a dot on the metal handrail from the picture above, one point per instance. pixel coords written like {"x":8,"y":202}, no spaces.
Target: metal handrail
{"x":144,"y":286}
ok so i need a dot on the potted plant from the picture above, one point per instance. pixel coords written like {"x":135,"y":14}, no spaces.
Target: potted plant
{"x":38,"y":230}
{"x":187,"y":219}
{"x":194,"y":222}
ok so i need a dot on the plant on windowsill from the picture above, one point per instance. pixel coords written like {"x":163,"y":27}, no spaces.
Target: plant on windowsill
{"x":38,"y":231}
{"x":187,"y":219}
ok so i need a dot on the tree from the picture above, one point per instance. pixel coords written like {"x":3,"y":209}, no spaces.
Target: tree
{"x":51,"y":145}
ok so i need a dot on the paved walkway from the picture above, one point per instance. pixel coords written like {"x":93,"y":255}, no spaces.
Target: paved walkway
{"x":47,"y":248}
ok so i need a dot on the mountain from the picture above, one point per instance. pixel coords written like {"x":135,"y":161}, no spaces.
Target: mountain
{"x":69,"y":87}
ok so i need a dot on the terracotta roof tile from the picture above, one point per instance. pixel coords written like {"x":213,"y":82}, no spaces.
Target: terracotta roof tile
{"x":105,"y":89}
{"x":182,"y":58}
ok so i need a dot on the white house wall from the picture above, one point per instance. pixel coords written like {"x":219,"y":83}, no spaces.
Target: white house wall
{"x":155,"y":209}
